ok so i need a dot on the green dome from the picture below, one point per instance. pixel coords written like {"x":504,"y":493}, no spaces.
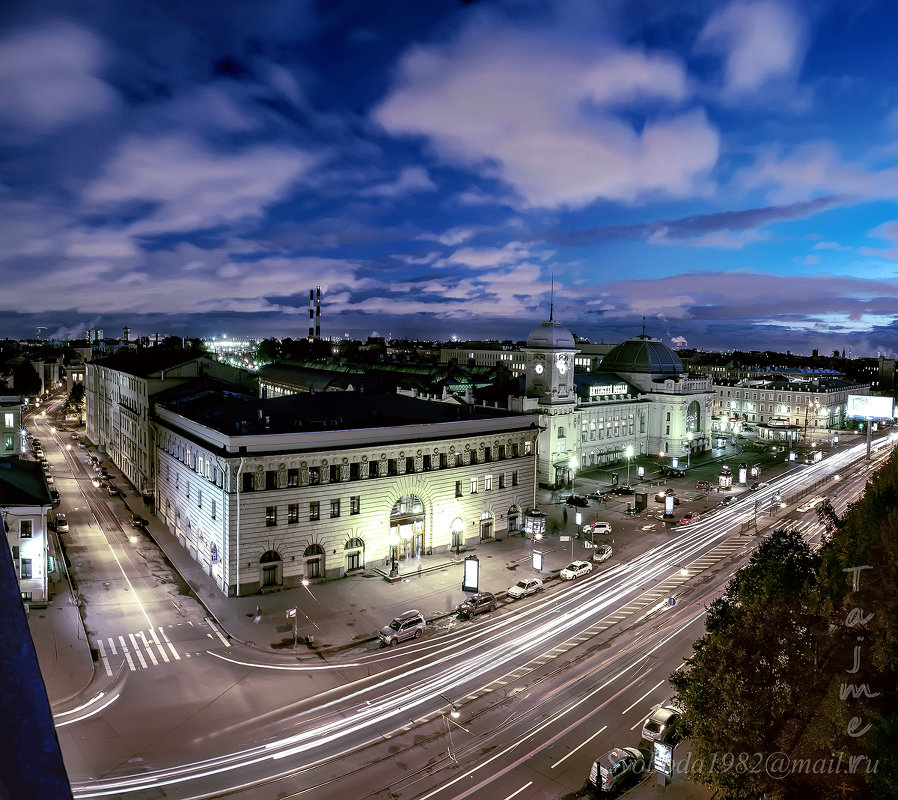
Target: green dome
{"x":643,"y":355}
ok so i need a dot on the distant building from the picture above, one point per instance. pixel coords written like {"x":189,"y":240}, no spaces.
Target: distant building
{"x":265,"y":492}
{"x":25,"y":503}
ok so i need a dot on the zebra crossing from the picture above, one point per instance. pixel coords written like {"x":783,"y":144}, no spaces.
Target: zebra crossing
{"x":144,"y":649}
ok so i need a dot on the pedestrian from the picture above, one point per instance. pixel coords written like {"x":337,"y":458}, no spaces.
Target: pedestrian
{"x":564,"y":515}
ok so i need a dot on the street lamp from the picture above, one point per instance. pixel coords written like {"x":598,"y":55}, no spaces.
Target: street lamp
{"x":629,"y":456}
{"x":688,"y":447}
{"x":394,"y":543}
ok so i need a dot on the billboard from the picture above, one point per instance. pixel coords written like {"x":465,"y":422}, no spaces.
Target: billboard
{"x":865,"y":406}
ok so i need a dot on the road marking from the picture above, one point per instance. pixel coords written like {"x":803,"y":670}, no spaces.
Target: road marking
{"x":582,"y":744}
{"x":170,"y":645}
{"x":515,"y":794}
{"x":218,"y":633}
{"x":644,"y":696}
{"x":152,"y":657}
{"x":103,"y":657}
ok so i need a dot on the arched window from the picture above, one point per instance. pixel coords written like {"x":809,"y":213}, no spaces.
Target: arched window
{"x":355,"y":549}
{"x":314,"y":556}
{"x":514,"y":520}
{"x":486,"y":525}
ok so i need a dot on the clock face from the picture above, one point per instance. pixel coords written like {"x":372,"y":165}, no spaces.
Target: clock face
{"x":538,"y":369}
{"x":561,"y":363}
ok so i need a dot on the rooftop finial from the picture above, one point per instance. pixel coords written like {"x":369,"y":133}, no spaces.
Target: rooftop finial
{"x":643,"y":327}
{"x":552,"y":299}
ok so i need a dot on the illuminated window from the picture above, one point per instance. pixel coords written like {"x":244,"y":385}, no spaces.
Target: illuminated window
{"x":292,"y":513}
{"x":271,"y":516}
{"x":335,"y":508}
{"x":314,"y":511}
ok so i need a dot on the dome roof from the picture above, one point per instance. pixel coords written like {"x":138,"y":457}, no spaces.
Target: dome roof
{"x":643,"y":355}
{"x":551,"y":334}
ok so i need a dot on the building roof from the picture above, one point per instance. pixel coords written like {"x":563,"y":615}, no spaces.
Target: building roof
{"x":551,"y":335}
{"x":643,"y":354}
{"x":22,"y":483}
{"x":147,"y":362}
{"x":235,"y":415}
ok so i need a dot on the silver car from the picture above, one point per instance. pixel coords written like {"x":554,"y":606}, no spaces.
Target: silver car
{"x":524,"y":587}
{"x":408,"y":625}
{"x":662,"y":725}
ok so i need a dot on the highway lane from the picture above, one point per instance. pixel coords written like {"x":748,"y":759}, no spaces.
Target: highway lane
{"x":377,"y":704}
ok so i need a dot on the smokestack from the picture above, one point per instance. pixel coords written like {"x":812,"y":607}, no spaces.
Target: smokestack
{"x":318,"y":313}
{"x":311,"y":315}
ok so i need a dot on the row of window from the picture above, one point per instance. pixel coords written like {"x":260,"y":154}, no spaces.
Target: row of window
{"x":293,"y":511}
{"x":487,"y":483}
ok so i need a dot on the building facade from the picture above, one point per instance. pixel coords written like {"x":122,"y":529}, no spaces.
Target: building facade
{"x":12,"y":430}
{"x":269,"y":492}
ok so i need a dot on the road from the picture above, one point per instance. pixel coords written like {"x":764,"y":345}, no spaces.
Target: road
{"x":542,"y":686}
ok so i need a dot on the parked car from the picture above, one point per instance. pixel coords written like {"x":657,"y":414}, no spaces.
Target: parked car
{"x":577,"y":500}
{"x":62,"y":524}
{"x":113,"y":491}
{"x":138,"y":521}
{"x":727,"y":501}
{"x":690,"y":516}
{"x":597,"y":527}
{"x":480,"y":603}
{"x":575,"y":569}
{"x":524,"y":587}
{"x":662,"y":496}
{"x":616,"y":767}
{"x":602,"y":553}
{"x":662,"y":725}
{"x":622,"y":489}
{"x":54,"y":496}
{"x":49,"y":477}
{"x":408,"y":625}
{"x":702,"y":485}
{"x":597,"y":495}
{"x":759,"y":484}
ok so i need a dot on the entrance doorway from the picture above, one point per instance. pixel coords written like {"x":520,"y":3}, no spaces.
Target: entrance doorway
{"x":407,"y":525}
{"x":272,"y":568}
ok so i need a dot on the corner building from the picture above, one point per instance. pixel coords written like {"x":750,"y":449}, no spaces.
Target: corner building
{"x":265,"y":493}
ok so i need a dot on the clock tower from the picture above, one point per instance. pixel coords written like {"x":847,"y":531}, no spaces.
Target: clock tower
{"x":549,"y":380}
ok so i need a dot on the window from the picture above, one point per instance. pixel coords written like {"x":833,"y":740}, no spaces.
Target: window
{"x":314,"y":511}
{"x":459,"y":459}
{"x":292,"y":477}
{"x":25,"y":572}
{"x":487,"y":483}
{"x":248,"y":484}
{"x":214,"y":505}
{"x":473,"y":485}
{"x":514,"y":478}
{"x":501,"y":452}
{"x":271,"y":479}
{"x":487,"y":455}
{"x":502,"y":481}
{"x":391,"y":466}
{"x":373,"y":469}
{"x":199,"y":498}
{"x":292,"y":513}
{"x":355,"y":504}
{"x":9,"y":445}
{"x":409,"y":465}
{"x":335,"y":476}
{"x":527,"y":446}
{"x":458,"y":488}
{"x":425,"y":463}
{"x":8,"y":420}
{"x":25,"y":529}
{"x":354,"y":471}
{"x":444,"y":460}
{"x":335,"y":508}
{"x":188,"y":489}
{"x":271,"y":516}
{"x":314,"y":476}
{"x":473,"y":457}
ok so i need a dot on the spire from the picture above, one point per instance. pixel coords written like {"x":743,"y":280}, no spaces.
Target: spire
{"x":643,"y":327}
{"x":552,"y":299}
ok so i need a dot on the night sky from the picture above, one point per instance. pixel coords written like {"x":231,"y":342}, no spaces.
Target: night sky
{"x":729,"y":171}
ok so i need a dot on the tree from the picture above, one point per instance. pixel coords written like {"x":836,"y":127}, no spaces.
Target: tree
{"x":75,"y":401}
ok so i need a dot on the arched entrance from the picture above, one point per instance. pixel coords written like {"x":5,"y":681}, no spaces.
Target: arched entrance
{"x":314,"y":558}
{"x":514,"y":520}
{"x":407,"y":526}
{"x":272,"y":568}
{"x":355,"y":553}
{"x":457,"y":529}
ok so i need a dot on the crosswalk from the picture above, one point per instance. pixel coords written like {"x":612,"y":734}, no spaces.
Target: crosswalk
{"x":146,"y":648}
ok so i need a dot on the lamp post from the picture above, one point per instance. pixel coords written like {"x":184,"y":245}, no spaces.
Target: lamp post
{"x":688,"y":447}
{"x":394,"y":543}
{"x":629,"y":456}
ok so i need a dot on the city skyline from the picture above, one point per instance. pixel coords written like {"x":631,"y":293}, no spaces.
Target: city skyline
{"x":727,"y":171}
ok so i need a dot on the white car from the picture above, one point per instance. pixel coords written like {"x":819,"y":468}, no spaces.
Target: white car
{"x":602,"y":553}
{"x":524,"y":587}
{"x":62,"y":524}
{"x":575,"y":569}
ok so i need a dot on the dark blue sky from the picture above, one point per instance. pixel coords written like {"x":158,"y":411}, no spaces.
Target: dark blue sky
{"x":728,"y":171}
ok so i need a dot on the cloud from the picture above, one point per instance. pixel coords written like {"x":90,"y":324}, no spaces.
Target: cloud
{"x":51,"y":77}
{"x":193,"y":188}
{"x":760,"y":41}
{"x":545,"y":118}
{"x":410,"y":180}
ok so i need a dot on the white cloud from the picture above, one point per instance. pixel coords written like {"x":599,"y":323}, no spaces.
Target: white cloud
{"x":194,"y":188}
{"x":533,"y":113}
{"x":51,"y":78}
{"x":761,"y":42}
{"x":411,"y":179}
